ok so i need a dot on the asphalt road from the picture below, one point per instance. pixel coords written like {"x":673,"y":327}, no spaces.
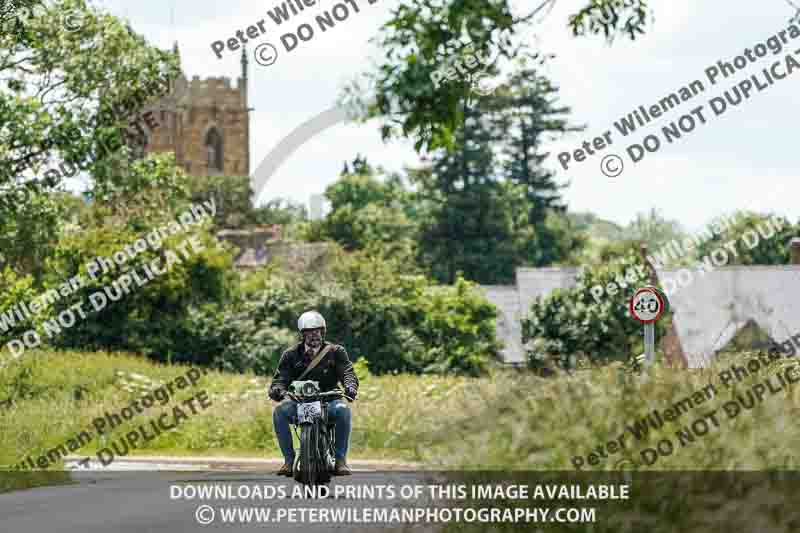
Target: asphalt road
{"x":151,"y":502}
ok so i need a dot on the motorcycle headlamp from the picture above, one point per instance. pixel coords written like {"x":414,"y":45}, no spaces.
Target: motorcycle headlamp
{"x":306,"y":388}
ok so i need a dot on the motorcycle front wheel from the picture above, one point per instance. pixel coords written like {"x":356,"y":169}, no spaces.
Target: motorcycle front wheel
{"x":312,"y":468}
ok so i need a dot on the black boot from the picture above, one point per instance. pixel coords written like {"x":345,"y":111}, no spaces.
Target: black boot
{"x":341,"y":468}
{"x":286,"y":470}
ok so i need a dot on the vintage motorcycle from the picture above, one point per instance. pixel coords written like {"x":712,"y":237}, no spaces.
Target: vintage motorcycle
{"x":315,"y":462}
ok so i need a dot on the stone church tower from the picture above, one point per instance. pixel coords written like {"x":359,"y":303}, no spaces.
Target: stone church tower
{"x":206,"y":124}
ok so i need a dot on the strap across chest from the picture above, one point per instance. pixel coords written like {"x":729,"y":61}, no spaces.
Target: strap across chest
{"x":315,"y":361}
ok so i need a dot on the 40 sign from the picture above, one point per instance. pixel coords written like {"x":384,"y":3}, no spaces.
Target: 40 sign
{"x":648,"y":304}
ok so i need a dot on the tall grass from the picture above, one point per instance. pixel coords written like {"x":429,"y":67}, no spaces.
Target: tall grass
{"x":509,"y":420}
{"x":55,"y":395}
{"x":522,"y":422}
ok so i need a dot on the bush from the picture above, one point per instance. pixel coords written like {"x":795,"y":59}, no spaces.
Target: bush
{"x":457,"y":329}
{"x":201,"y":312}
{"x":398,"y":322}
{"x":406,"y":323}
{"x":570,"y":322}
{"x":236,"y":339}
{"x":770,"y":234}
{"x":361,"y":368}
{"x":14,"y":290}
{"x":150,"y":319}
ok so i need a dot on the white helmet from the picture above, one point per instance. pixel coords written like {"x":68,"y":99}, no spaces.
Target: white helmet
{"x":311,"y":320}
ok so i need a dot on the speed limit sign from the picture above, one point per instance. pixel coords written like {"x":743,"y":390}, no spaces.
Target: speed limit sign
{"x":647,"y":305}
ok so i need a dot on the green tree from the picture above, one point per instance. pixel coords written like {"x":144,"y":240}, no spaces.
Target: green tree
{"x":556,"y":241}
{"x":457,"y":326}
{"x":231,"y":194}
{"x":66,"y":94}
{"x":369,"y":213}
{"x":374,"y":228}
{"x":761,"y":239}
{"x":359,"y":189}
{"x":398,"y":321}
{"x":148,"y":189}
{"x":525,"y":111}
{"x":154,"y":318}
{"x":29,"y":236}
{"x":151,"y":318}
{"x":360,"y":166}
{"x":13,"y":290}
{"x":237,"y":337}
{"x":468,"y":228}
{"x":610,"y":18}
{"x":422,"y":35}
{"x":490,"y":205}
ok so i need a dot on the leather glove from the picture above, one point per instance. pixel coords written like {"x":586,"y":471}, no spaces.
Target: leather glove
{"x":350,"y":391}
{"x":277,"y":394}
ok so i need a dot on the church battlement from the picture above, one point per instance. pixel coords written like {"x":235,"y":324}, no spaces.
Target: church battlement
{"x":218,"y":83}
{"x":217,"y":89}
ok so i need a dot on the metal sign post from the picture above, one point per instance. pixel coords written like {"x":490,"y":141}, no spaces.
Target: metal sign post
{"x":648,"y":305}
{"x":650,"y":343}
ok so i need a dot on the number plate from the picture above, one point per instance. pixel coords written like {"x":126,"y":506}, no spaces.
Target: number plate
{"x":308,"y":412}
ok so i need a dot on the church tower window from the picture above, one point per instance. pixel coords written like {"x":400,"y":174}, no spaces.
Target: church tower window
{"x":213,"y":145}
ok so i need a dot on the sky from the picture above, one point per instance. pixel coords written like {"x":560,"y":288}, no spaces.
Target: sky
{"x":743,"y":159}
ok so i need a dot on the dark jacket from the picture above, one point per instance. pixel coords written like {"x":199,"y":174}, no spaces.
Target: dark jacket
{"x":334,"y":367}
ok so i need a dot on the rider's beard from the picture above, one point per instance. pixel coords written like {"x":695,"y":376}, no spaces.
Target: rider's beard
{"x":313,"y":342}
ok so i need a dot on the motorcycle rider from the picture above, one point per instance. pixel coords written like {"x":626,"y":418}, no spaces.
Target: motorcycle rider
{"x":334,"y":367}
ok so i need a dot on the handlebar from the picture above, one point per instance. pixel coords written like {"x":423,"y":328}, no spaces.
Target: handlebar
{"x":330,"y":393}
